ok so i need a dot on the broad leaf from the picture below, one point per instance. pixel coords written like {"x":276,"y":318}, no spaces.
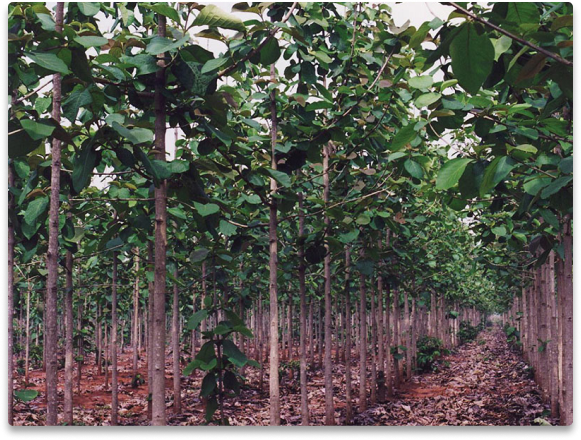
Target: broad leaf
{"x":213,"y":16}
{"x":472,"y":58}
{"x":50,"y":62}
{"x":451,"y":172}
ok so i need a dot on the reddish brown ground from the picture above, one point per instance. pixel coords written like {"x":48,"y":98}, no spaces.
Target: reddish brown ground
{"x":481,"y":383}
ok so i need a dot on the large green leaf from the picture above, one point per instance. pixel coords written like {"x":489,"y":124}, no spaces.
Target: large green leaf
{"x":270,"y":53}
{"x":280,"y":177}
{"x":25,"y":395}
{"x":159,"y":45}
{"x":50,"y":62}
{"x":451,"y":172}
{"x":555,"y":186}
{"x":196,"y":319}
{"x":233,"y":353}
{"x":496,"y":172}
{"x":421,"y":82}
{"x":403,"y":137}
{"x":20,"y":143}
{"x":80,"y":97}
{"x":84,"y":163}
{"x":472,"y":57}
{"x":206,"y":209}
{"x":213,"y":16}
{"x":35,"y":209}
{"x":91,"y":41}
{"x":89,"y":9}
{"x":414,"y":168}
{"x":208,"y":384}
{"x":37,"y":130}
{"x":136,"y":135}
{"x":163,"y":9}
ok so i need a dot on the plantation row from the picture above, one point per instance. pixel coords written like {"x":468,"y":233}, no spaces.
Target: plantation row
{"x":335,"y":182}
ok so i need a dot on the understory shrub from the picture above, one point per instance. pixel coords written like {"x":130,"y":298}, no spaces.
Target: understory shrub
{"x":429,"y":350}
{"x":467,"y":332}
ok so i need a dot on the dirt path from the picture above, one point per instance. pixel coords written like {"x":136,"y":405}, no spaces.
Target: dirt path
{"x":481,"y":383}
{"x":485,"y":384}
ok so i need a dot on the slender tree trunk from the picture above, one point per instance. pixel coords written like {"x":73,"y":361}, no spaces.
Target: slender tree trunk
{"x":160,"y":195}
{"x":273,"y":266}
{"x":362,"y":341}
{"x":373,"y":347}
{"x":68,"y":388}
{"x":135,"y":328}
{"x":114,"y":375}
{"x":175,"y":334}
{"x":388,"y":359}
{"x":27,"y":346}
{"x":303,"y":317}
{"x":329,"y":407}
{"x":51,"y":336}
{"x":380,"y":342}
{"x":408,"y":338}
{"x":567,"y":326}
{"x":98,"y":326}
{"x":348,"y":387}
{"x":11,"y":244}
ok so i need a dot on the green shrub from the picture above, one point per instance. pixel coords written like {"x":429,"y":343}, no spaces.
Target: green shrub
{"x":429,"y":350}
{"x":468,"y":332}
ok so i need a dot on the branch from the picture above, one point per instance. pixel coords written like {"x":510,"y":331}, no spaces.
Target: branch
{"x":512,"y":36}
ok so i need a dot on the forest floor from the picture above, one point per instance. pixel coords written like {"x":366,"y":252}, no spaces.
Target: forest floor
{"x":480,"y":383}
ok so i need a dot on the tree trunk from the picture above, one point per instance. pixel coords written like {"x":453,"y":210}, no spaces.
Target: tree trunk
{"x":348,"y":397}
{"x":567,"y":326}
{"x":303,"y":317}
{"x":160,"y":195}
{"x":51,"y":335}
{"x":362,"y":341}
{"x":11,"y":244}
{"x":329,"y":407}
{"x":273,"y":267}
{"x":68,"y":388}
{"x":114,"y":376}
{"x":135,"y":329}
{"x":175,"y":337}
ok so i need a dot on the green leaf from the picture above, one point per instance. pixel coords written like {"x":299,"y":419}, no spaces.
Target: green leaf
{"x":230,"y":382}
{"x":91,"y":41}
{"x":37,"y":130}
{"x":499,"y":230}
{"x":50,"y":62}
{"x":207,"y":209}
{"x":208,"y":384}
{"x":213,"y":16}
{"x":159,"y":45}
{"x":177,"y":212}
{"x":212,"y":65}
{"x":555,"y":186}
{"x":233,"y":353}
{"x":80,"y":97}
{"x":566,"y":165}
{"x":522,"y":13}
{"x":451,"y":172}
{"x":427,"y":99}
{"x":533,"y":185}
{"x":414,"y":168}
{"x":495,"y":173}
{"x":421,"y":82}
{"x":163,"y":9}
{"x":84,"y":163}
{"x":89,"y":9}
{"x":228,"y":229}
{"x":270,"y":52}
{"x":196,"y":319}
{"x":136,"y":135}
{"x":403,"y":137}
{"x":472,"y":57}
{"x":199,"y":255}
{"x":25,"y":395}
{"x":282,"y":178}
{"x":35,"y":208}
{"x":211,"y":407}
